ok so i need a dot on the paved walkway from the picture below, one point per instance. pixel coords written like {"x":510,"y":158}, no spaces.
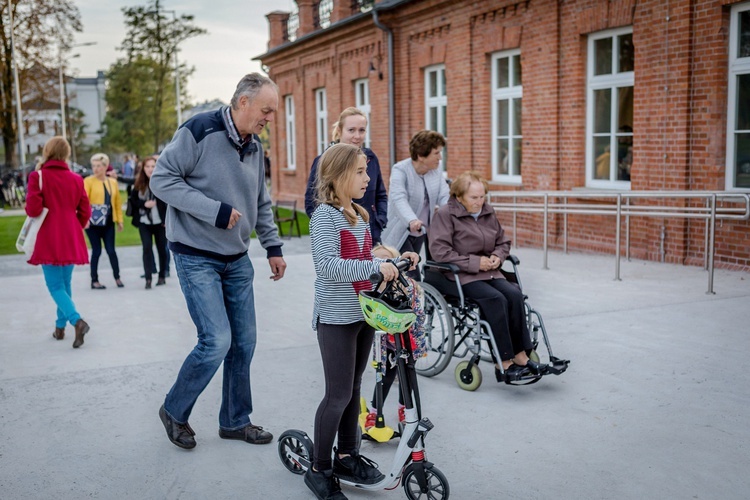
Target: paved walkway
{"x":654,"y":405}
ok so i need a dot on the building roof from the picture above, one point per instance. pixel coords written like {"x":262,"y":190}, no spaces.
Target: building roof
{"x":379,"y":6}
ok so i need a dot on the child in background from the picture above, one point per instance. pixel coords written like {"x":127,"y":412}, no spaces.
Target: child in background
{"x":342,"y":255}
{"x":387,"y":346}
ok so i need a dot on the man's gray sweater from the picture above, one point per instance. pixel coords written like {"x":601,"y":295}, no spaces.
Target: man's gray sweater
{"x":202,"y":175}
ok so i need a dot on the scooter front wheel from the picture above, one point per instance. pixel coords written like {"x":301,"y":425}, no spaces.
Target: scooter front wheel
{"x":295,"y":451}
{"x":437,"y":484}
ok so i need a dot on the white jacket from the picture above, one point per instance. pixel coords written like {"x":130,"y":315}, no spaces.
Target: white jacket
{"x":405,"y":198}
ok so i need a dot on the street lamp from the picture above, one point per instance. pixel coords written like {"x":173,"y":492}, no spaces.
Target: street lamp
{"x":178,"y":104}
{"x":62,"y":84}
{"x":19,"y":116}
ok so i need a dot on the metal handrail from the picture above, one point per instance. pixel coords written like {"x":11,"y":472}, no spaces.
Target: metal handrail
{"x":734,"y":206}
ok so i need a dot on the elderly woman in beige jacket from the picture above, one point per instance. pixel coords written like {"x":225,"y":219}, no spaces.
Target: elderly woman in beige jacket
{"x":416,"y":189}
{"x":466,"y":232}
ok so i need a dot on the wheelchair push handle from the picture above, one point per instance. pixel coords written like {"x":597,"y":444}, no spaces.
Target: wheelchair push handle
{"x":401,"y":264}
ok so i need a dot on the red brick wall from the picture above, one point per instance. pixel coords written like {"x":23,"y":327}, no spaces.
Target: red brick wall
{"x":679,"y":111}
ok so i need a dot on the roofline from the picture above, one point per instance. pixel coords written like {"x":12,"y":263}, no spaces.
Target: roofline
{"x":380,"y":7}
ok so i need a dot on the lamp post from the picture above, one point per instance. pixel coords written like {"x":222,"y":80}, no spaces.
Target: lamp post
{"x":19,"y":116}
{"x":178,"y":104}
{"x":62,"y":84}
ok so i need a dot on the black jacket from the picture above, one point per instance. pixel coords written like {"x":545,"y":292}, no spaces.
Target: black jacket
{"x":375,"y":200}
{"x":139,"y":207}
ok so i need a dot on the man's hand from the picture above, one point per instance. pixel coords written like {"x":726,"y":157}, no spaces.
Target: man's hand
{"x":278,"y":267}
{"x":234,"y":218}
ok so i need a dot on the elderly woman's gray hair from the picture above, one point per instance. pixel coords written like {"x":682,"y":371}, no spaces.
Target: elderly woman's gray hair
{"x":249,"y":86}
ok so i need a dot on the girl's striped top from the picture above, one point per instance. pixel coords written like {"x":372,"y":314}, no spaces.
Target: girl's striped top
{"x":342,"y":255}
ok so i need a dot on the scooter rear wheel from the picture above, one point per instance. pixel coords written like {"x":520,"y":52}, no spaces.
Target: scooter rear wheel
{"x":437,"y":484}
{"x":294,"y":448}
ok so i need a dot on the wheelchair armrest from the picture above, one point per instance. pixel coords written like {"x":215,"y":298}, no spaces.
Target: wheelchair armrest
{"x":515,"y":260}
{"x":442,"y":265}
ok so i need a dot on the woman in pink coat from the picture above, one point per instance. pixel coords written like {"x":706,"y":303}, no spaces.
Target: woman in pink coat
{"x":60,"y":244}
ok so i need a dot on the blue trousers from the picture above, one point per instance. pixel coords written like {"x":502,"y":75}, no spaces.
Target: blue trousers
{"x":220,"y":300}
{"x":57,"y":279}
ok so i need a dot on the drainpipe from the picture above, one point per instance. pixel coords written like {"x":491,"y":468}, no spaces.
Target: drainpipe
{"x":391,"y":90}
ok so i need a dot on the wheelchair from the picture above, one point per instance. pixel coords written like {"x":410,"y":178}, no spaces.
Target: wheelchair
{"x":454,"y":328}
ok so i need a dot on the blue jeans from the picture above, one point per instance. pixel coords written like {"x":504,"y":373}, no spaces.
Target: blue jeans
{"x":220,"y":299}
{"x":57,"y":279}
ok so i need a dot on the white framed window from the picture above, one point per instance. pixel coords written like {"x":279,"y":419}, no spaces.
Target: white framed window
{"x":609,"y":110}
{"x":738,"y":113}
{"x":507,"y":93}
{"x":436,"y":103}
{"x":291,"y":152}
{"x":362,"y":101}
{"x":321,"y":120}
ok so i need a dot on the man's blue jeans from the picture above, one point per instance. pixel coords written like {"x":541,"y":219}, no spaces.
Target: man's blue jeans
{"x":220,"y":299}
{"x":57,"y":279}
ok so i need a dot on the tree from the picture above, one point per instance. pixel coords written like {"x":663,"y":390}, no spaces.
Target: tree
{"x":41,"y":29}
{"x":150,"y":45}
{"x":132,"y":90}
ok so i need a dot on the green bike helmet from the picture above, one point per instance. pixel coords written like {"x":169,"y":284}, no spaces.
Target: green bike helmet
{"x":385,"y":315}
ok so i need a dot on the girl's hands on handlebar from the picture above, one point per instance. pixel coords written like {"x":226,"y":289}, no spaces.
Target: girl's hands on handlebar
{"x":389,"y":271}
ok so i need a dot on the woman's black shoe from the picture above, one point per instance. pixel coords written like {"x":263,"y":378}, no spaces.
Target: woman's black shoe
{"x":536,"y":368}
{"x":324,"y":484}
{"x":119,"y":283}
{"x":95,"y":285}
{"x":161,"y":281}
{"x":516,"y":372}
{"x":148,"y":284}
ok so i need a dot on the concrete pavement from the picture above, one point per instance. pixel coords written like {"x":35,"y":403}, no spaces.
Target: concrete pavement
{"x":654,"y":405}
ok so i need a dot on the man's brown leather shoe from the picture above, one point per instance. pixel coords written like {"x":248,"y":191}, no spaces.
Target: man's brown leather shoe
{"x":59,"y":333}
{"x":180,"y":434}
{"x":82,"y":328}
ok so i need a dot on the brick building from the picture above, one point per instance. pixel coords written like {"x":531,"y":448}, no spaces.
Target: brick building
{"x":574,"y":95}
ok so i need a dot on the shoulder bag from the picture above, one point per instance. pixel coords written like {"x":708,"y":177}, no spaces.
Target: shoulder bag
{"x":100,"y":211}
{"x":27,"y":237}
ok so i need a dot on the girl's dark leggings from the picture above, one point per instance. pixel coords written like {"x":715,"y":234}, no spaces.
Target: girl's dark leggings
{"x":345,"y":350}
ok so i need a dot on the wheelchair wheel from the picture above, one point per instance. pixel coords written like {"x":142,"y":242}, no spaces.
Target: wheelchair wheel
{"x":295,"y":451}
{"x":438,"y":332}
{"x":468,"y":379}
{"x":437,"y":484}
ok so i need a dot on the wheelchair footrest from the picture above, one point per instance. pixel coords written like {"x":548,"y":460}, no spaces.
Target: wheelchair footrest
{"x":557,"y":366}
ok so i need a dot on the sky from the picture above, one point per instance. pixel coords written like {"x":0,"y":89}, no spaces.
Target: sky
{"x":237,"y":32}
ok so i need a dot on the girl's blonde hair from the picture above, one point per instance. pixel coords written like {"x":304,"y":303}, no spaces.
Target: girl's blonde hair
{"x":337,"y":166}
{"x":337,"y":127}
{"x":102,"y":158}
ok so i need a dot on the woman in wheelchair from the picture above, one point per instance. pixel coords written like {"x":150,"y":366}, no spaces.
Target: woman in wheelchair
{"x":466,"y":232}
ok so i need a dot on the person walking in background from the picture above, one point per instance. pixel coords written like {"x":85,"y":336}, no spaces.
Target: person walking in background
{"x":351,"y":128}
{"x":149,"y":216}
{"x":128,"y":168}
{"x":211,"y":177}
{"x":106,"y":211}
{"x":59,"y":244}
{"x":416,"y":189}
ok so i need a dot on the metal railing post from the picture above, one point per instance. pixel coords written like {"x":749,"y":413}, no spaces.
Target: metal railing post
{"x":565,"y":225}
{"x":711,"y":245}
{"x":705,"y":235}
{"x":627,"y":229}
{"x":515,"y":223}
{"x":546,"y":220}
{"x":617,"y":237}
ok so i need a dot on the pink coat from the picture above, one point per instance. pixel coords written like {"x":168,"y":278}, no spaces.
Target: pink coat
{"x":455,"y":237}
{"x":60,"y":240}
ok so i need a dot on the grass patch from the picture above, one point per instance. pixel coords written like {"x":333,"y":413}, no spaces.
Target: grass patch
{"x":11,"y":225}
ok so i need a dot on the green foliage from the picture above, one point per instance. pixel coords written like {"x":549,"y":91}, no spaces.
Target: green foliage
{"x":140,"y":98}
{"x":130,"y":121}
{"x":10,"y":226}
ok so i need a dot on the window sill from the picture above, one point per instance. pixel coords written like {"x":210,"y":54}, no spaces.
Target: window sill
{"x":288,"y":171}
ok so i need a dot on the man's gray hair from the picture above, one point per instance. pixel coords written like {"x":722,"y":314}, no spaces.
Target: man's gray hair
{"x":249,"y":86}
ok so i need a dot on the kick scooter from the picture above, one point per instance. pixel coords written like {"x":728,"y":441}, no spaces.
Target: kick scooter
{"x":420,"y":478}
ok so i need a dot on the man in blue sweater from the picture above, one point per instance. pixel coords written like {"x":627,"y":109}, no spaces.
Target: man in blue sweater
{"x":212,"y":177}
